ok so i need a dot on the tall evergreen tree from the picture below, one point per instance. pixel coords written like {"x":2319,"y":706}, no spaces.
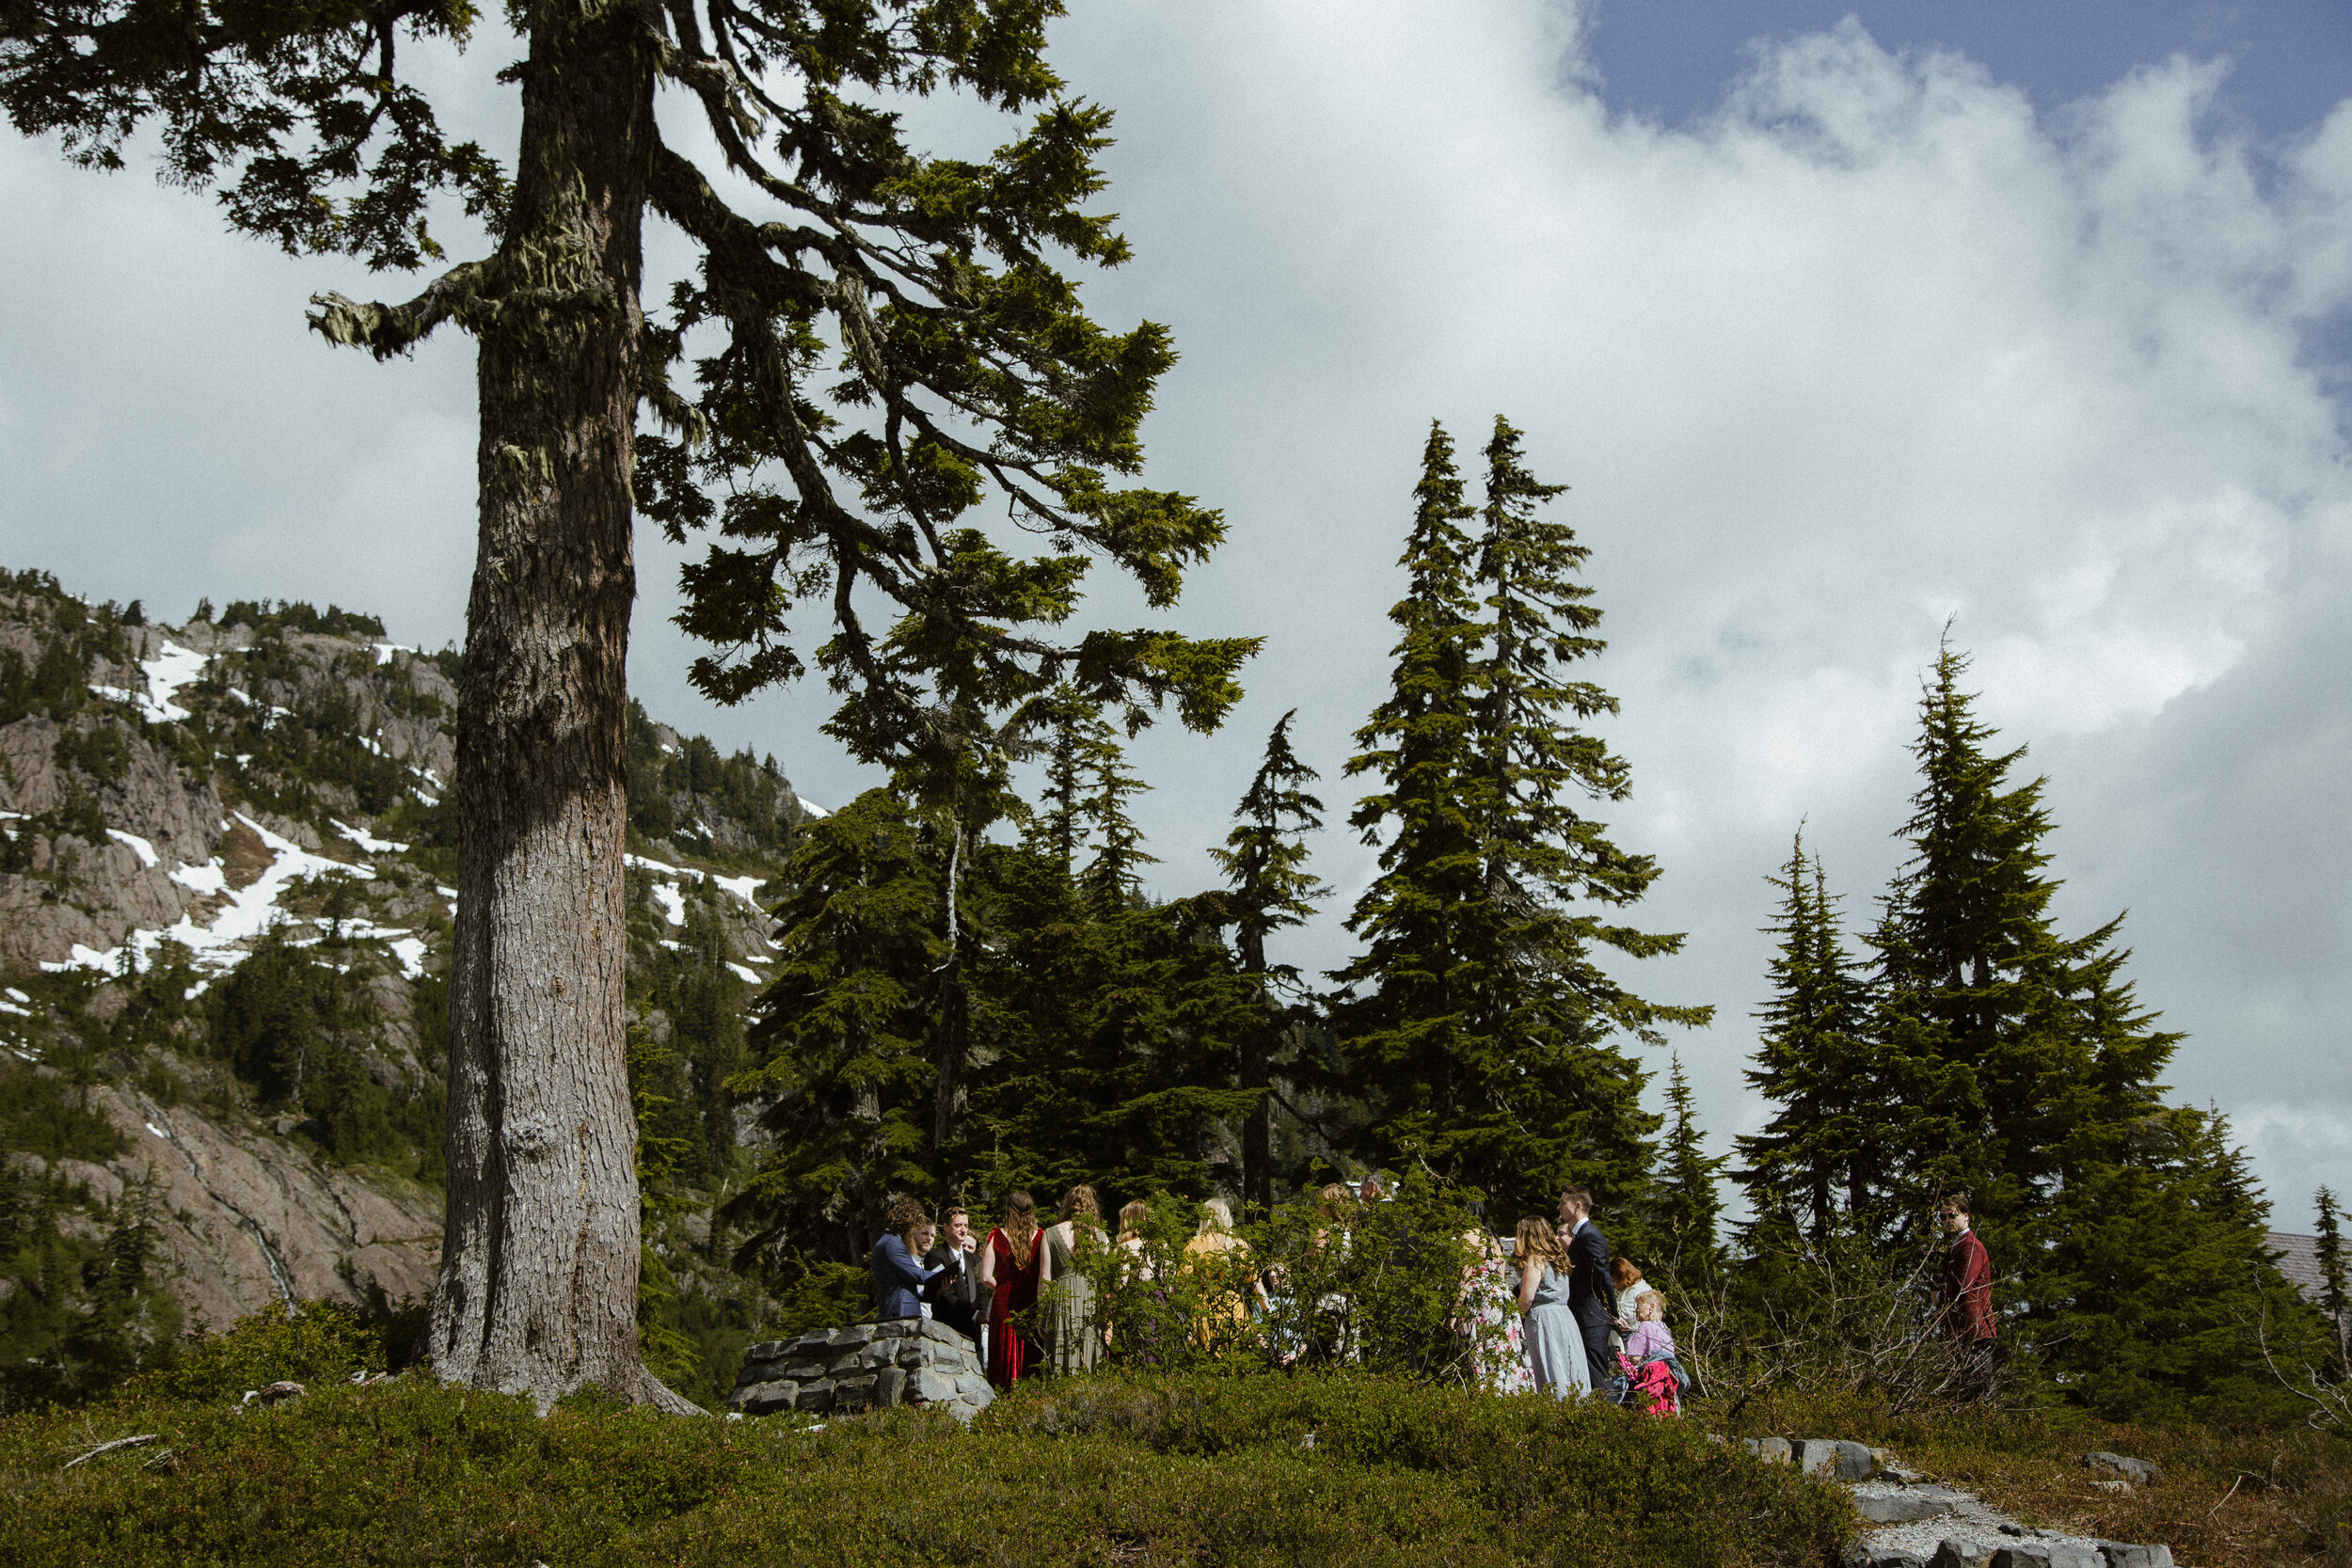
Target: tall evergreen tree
{"x":2335,"y":1300}
{"x":2130,"y":1240}
{"x":1484,"y":1027}
{"x":1689,"y":1204}
{"x":1820,"y":1155}
{"x":1979,"y":992}
{"x":841,"y":1059}
{"x":1265,"y":867}
{"x":896,"y":342}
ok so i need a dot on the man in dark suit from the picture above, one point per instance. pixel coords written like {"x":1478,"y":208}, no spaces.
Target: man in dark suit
{"x":1592,"y":1295}
{"x":958,"y":1301}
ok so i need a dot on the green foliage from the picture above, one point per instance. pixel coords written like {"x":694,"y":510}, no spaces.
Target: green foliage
{"x":839,"y":1050}
{"x":2335,"y":1294}
{"x":1163,"y":1469}
{"x":313,"y":1342}
{"x":295,"y":616}
{"x":1992,"y":1054}
{"x":752,"y":793}
{"x":290,"y":1023}
{"x":1691,"y":1253}
{"x":49,"y":1115}
{"x":1815,"y":1164}
{"x":1478,"y":1024}
{"x":83,"y":1310}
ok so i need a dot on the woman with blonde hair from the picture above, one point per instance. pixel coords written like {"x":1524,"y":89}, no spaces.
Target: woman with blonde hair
{"x":1073,"y":1342}
{"x":1010,"y":1263}
{"x":1555,"y":1344}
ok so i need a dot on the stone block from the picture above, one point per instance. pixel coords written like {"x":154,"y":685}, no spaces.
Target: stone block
{"x":1854,"y":1462}
{"x":2118,"y":1465}
{"x":878,"y":1355}
{"x":968,"y":1383}
{"x":2046,"y":1554}
{"x":933,"y":1329}
{"x":2119,"y":1555}
{"x":1903,"y":1508}
{"x":800,"y":1371}
{"x":890,"y":1386}
{"x":852,"y":1394}
{"x":1961,"y":1554}
{"x":764,"y":1399}
{"x":767,"y":1349}
{"x":914,"y":1353}
{"x":1821,"y":1456}
{"x":927,"y":1386}
{"x":816,"y":1397}
{"x":896,"y":1329}
{"x":849,"y":1361}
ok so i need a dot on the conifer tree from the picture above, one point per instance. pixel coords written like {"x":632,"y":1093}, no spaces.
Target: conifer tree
{"x":2334,"y":1299}
{"x":1819,"y":1155}
{"x":1404,"y":1012}
{"x":1977,"y":988}
{"x":2130,"y":1239}
{"x":897,"y":340}
{"x":841,"y":1058}
{"x":1487,"y":1028}
{"x":1687,"y":1202}
{"x":1265,"y":867}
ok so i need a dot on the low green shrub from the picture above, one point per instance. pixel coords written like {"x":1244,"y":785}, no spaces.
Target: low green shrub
{"x":1175,"y":1470}
{"x":314,"y":1343}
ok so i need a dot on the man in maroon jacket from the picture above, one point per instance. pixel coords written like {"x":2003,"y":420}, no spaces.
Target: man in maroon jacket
{"x":1966,"y":1296}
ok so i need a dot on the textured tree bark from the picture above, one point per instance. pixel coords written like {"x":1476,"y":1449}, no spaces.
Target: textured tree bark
{"x":537,"y":1293}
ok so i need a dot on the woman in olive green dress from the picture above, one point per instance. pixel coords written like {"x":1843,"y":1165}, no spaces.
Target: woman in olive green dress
{"x":1074,"y":1341}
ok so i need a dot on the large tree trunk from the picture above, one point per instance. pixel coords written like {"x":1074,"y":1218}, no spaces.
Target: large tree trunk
{"x":538,"y":1292}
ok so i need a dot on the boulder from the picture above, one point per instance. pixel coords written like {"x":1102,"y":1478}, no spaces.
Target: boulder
{"x":2118,"y":1465}
{"x":2047,"y":1554}
{"x":844,"y":1371}
{"x":2119,"y":1555}
{"x":1839,"y":1461}
{"x":1906,"y":1507}
{"x":1961,"y":1554}
{"x":1772,"y":1450}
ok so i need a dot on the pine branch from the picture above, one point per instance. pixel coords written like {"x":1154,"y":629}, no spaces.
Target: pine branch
{"x":385,"y":330}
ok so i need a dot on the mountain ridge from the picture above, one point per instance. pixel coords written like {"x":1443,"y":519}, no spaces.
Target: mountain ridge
{"x":227,"y":870}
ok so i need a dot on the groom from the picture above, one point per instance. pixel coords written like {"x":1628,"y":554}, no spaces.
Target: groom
{"x":1592,"y":1296}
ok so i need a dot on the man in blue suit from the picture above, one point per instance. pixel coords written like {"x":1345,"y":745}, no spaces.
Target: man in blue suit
{"x":1592,"y":1294}
{"x":900,"y":1282}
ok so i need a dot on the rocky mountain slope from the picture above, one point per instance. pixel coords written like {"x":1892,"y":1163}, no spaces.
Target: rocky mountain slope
{"x":225,"y":900}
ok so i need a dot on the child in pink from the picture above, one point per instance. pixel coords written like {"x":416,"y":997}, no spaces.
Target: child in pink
{"x":1651,"y":1338}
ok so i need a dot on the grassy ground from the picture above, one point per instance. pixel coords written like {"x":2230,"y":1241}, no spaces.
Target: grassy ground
{"x":2227,"y":1500}
{"x":1193,"y":1471}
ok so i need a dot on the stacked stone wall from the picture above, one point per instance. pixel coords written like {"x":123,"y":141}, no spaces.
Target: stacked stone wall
{"x":843,"y":1371}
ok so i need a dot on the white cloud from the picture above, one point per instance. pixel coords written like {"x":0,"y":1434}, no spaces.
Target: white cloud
{"x":1871,"y":347}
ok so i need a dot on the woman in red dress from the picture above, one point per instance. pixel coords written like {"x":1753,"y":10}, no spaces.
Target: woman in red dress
{"x":1010,"y":1259}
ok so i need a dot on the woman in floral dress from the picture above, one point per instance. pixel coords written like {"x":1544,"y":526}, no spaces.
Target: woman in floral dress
{"x":1490,"y":1318}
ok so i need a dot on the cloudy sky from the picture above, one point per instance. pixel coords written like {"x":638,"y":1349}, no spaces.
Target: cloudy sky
{"x":1842,"y":325}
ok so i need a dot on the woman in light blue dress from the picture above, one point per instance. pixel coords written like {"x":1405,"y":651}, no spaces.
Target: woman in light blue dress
{"x":1555,"y":1346}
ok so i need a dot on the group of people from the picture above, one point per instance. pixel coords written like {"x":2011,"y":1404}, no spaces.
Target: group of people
{"x":990,"y":1289}
{"x":1553,"y":1311}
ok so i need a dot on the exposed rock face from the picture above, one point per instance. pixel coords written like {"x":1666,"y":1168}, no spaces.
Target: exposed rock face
{"x":866,"y":1367}
{"x":250,"y":1219}
{"x":174,"y":799}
